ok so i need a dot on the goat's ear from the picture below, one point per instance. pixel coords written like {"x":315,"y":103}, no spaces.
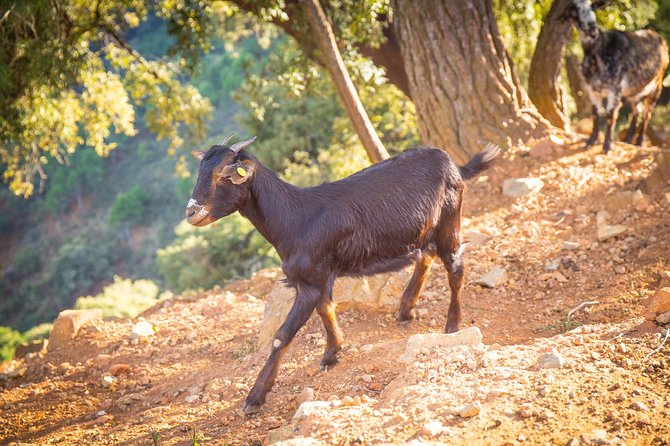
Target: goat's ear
{"x":238,"y":173}
{"x":597,"y":4}
{"x":198,"y":154}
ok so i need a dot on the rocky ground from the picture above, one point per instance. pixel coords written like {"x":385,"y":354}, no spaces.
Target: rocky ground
{"x":584,"y":229}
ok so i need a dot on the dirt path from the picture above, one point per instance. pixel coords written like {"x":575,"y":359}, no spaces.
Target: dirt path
{"x":188,"y":381}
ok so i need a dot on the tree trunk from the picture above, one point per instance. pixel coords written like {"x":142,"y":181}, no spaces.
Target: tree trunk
{"x":578,"y":86}
{"x":461,"y":79}
{"x":545,"y":68}
{"x":318,"y":23}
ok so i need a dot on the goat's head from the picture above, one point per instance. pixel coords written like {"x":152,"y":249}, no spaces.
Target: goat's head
{"x":222,"y":182}
{"x":582,"y":13}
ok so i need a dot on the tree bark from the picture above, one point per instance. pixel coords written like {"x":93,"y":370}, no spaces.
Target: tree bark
{"x":545,"y":68}
{"x":320,"y":26}
{"x":461,"y":78}
{"x":578,"y":86}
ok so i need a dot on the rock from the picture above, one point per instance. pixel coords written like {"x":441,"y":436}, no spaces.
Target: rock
{"x":381,"y":291}
{"x":663,"y":318}
{"x":518,"y":187}
{"x":68,"y":324}
{"x":639,"y":405}
{"x":308,"y":408}
{"x":550,"y":360}
{"x":667,"y":198}
{"x":418,"y":342}
{"x":526,"y":410}
{"x":476,"y":237}
{"x":103,"y":419}
{"x":433,"y":428}
{"x":543,"y":149}
{"x":493,"y":278}
{"x":570,"y":246}
{"x":658,"y":304}
{"x":661,"y":173}
{"x":108,"y":380}
{"x":623,"y":199}
{"x":553,"y":264}
{"x":307,"y":394}
{"x":101,"y":413}
{"x":142,"y":329}
{"x":192,"y":398}
{"x":597,"y":437}
{"x":620,"y":269}
{"x":367,"y":348}
{"x":606,"y":231}
{"x":280,"y":434}
{"x":469,"y":410}
{"x":118,"y":369}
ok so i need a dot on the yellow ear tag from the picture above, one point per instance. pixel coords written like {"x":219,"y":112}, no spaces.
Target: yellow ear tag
{"x":241,"y":172}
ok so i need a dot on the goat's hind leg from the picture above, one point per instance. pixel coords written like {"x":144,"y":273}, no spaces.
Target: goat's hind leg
{"x":411,"y":294}
{"x":305,"y":303}
{"x":326,"y":310}
{"x":628,"y":138}
{"x":450,"y":250}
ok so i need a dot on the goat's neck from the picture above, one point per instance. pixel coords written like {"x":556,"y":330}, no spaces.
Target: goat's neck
{"x":587,"y":41}
{"x":272,"y":206}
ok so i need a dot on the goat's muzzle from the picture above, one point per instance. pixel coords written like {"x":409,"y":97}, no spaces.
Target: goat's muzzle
{"x":195,"y":213}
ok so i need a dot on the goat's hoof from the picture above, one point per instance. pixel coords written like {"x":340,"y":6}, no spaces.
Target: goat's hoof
{"x":250,"y":408}
{"x":327,"y":363}
{"x":451,"y":328}
{"x":405,"y":318}
{"x":606,"y":148}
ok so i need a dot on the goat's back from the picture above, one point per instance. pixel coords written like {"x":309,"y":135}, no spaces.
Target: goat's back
{"x":384,"y":211}
{"x":629,"y":61}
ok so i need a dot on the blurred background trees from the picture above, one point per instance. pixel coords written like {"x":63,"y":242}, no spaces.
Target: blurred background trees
{"x":100,"y":101}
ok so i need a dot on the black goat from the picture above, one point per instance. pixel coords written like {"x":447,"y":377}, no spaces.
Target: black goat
{"x":401,"y":211}
{"x":619,"y":64}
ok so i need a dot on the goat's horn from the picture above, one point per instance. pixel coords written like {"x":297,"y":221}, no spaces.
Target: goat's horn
{"x":224,"y":141}
{"x":241,"y":145}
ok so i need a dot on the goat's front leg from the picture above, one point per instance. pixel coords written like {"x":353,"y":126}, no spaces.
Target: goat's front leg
{"x":326,"y":309}
{"x":302,"y":309}
{"x":596,"y":127}
{"x":613,"y":106}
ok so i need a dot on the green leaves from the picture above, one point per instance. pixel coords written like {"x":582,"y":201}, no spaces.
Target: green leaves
{"x":69,"y":78}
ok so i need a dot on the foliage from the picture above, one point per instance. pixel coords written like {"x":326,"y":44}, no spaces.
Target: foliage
{"x":122,"y":298}
{"x":211,"y":255}
{"x":84,"y":175}
{"x":9,"y":340}
{"x":40,"y":331}
{"x":69,"y":77}
{"x":128,"y":208}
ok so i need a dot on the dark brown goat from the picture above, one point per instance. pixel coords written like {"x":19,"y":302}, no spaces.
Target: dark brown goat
{"x":619,"y":64}
{"x":395,"y":213}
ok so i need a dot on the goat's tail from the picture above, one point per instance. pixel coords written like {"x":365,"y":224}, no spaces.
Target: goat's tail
{"x":480,"y":162}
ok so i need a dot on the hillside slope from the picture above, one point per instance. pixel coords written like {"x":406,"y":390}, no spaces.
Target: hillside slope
{"x":188,"y":380}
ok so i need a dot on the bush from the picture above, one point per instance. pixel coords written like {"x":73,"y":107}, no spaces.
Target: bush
{"x":41,"y":331}
{"x":129,"y":208}
{"x":9,"y":340}
{"x":122,"y":298}
{"x":211,"y":255}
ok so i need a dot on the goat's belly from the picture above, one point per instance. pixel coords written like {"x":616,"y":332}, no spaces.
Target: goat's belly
{"x":633,"y":92}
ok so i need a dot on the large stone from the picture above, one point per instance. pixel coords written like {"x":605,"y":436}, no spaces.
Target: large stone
{"x":493,"y":278}
{"x":418,"y":342}
{"x":310,"y":407}
{"x":550,"y":360}
{"x":659,"y":303}
{"x":623,"y":199}
{"x":660,"y":176}
{"x":606,"y":232}
{"x":381,"y":291}
{"x":68,"y":324}
{"x":518,"y":187}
